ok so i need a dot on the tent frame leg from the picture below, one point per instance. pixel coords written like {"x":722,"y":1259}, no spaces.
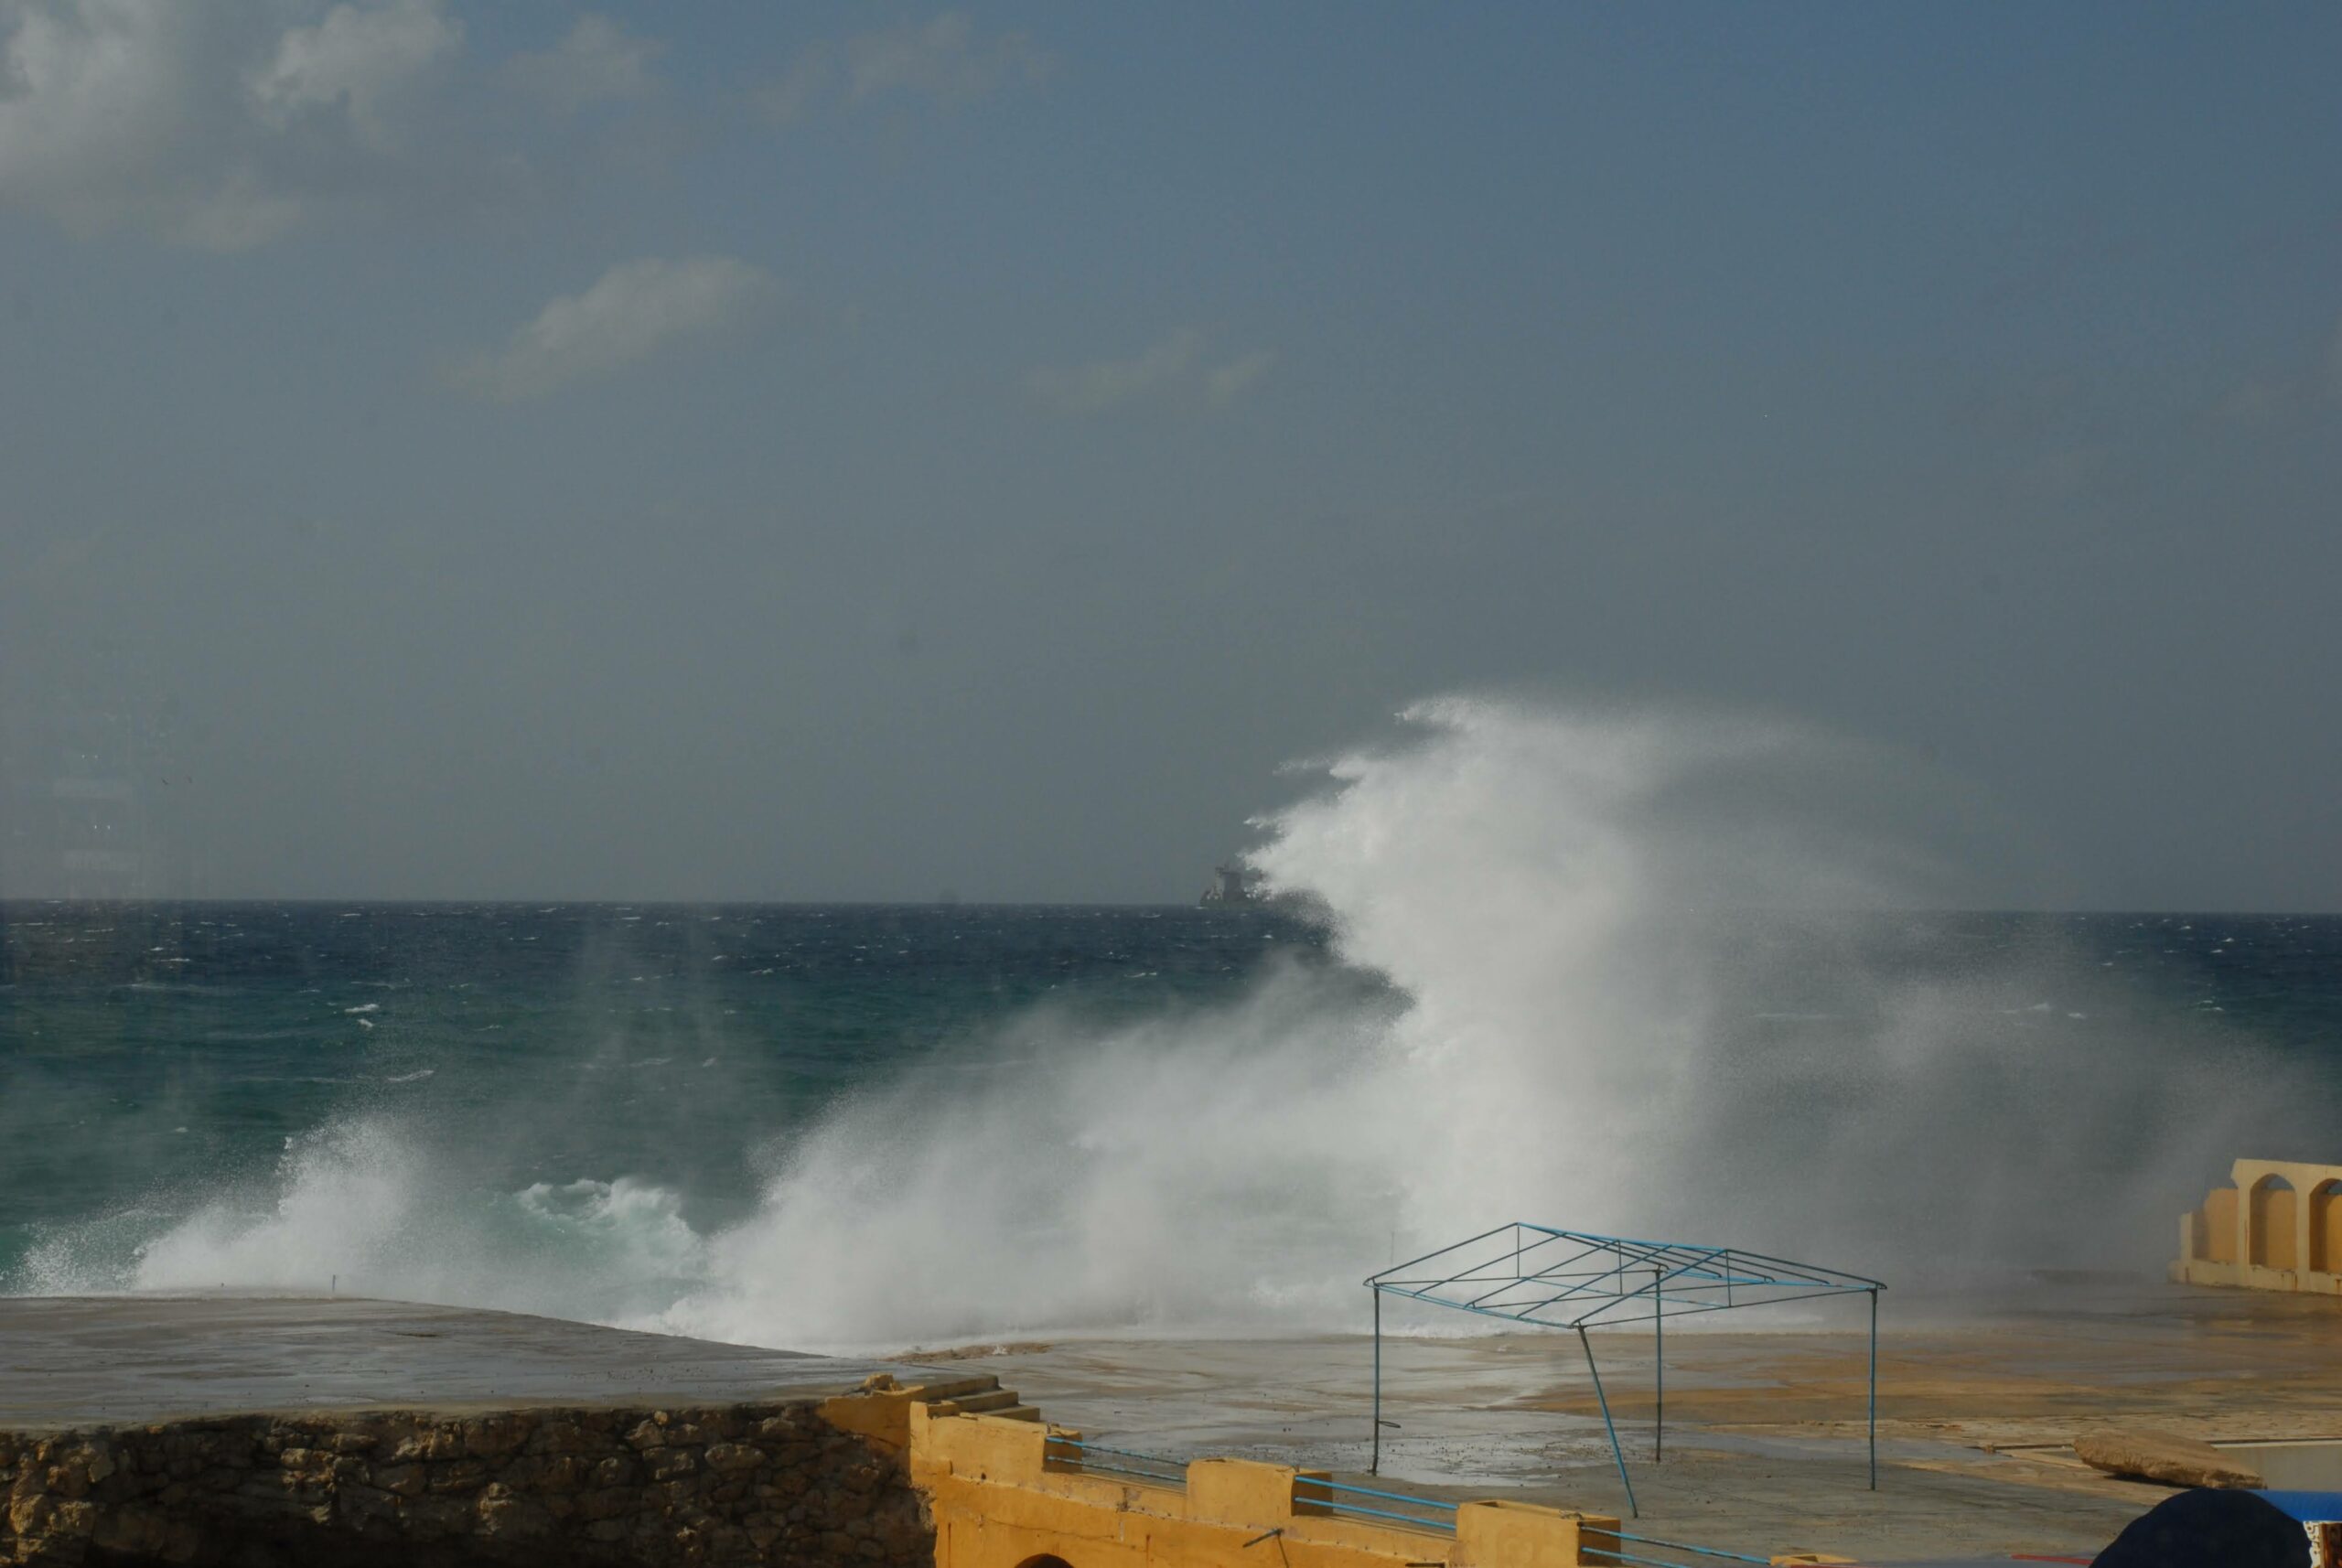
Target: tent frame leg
{"x":1873,"y":1389}
{"x":1616,"y":1452}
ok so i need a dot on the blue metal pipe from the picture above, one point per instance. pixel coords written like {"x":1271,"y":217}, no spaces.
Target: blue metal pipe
{"x":1370,"y":1492}
{"x":1616,"y":1452}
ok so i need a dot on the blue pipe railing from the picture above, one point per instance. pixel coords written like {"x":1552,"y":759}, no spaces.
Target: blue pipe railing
{"x":1162,"y":1470}
{"x":1314,"y":1492}
{"x":1609,"y":1544}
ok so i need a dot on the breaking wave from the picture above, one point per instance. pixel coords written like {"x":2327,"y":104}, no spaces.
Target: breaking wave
{"x":1633,"y":986}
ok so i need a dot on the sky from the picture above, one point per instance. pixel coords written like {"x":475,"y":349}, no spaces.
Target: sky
{"x":738,"y":451}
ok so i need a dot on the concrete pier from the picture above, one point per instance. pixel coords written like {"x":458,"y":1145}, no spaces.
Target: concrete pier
{"x":258,"y":1432}
{"x":69,"y":1361}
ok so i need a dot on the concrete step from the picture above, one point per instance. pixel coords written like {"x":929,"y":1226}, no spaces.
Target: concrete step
{"x":958,"y":1388}
{"x":990,"y":1403}
{"x":1016,"y":1412}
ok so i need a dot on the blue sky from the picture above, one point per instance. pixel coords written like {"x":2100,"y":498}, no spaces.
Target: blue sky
{"x":812,"y":452}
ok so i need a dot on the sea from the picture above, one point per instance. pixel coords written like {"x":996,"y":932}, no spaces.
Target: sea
{"x":1649,"y":974}
{"x":852,"y":1126}
{"x":153,"y":1057}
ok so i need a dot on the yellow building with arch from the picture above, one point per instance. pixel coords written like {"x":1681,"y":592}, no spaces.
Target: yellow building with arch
{"x":2277,"y":1225}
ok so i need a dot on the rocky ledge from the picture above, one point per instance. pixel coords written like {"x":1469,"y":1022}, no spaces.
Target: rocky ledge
{"x":777,"y":1483}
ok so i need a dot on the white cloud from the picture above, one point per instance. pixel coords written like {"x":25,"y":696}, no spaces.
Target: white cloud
{"x":216,"y":124}
{"x":362,"y":61}
{"x":597,"y":62}
{"x":1102,"y":384}
{"x":1174,"y":369}
{"x":95,"y":98}
{"x":227,"y":123}
{"x":637,"y":310}
{"x":944,"y":61}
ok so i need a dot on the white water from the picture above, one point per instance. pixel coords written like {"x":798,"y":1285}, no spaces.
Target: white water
{"x":1562,"y":901}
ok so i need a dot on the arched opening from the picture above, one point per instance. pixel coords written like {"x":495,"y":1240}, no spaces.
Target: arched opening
{"x":2273,"y":1223}
{"x":1045,"y":1561}
{"x":2325,"y":1227}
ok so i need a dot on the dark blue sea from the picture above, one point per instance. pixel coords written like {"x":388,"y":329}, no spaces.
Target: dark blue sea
{"x":873,"y":1125}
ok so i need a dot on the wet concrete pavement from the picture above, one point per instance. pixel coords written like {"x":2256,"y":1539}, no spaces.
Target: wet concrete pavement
{"x":115,"y":1360}
{"x":1764,"y":1442}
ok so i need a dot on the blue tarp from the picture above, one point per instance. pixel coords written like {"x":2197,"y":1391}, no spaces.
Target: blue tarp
{"x":2310,"y":1507}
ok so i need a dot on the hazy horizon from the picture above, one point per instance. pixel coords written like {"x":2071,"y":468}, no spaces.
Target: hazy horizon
{"x":524,"y":901}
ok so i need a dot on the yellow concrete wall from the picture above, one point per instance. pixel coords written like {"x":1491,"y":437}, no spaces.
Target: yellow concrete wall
{"x":1001,"y":1499}
{"x":2278,"y":1227}
{"x":2220,"y":1217}
{"x":2325,"y":1228}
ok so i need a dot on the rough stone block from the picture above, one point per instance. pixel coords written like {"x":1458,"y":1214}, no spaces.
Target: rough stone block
{"x":406,"y":1481}
{"x":2164,"y":1457}
{"x":459,"y":1475}
{"x":493,"y":1437}
{"x":365,"y":1506}
{"x":431,"y":1443}
{"x":505,"y":1517}
{"x":732,"y":1457}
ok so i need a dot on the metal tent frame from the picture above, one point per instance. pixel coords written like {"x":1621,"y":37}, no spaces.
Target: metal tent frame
{"x":1577,"y":1280}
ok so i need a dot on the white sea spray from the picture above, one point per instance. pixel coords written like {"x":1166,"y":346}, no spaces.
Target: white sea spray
{"x":1585,"y":922}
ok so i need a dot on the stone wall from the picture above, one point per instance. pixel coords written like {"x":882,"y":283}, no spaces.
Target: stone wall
{"x":731,"y":1483}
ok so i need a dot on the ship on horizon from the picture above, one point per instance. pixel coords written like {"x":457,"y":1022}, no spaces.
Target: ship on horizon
{"x":1234,"y":883}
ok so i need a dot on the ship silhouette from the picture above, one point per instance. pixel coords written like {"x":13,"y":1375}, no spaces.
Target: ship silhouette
{"x":1234,"y":884}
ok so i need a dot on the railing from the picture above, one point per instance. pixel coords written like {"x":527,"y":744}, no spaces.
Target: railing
{"x":1325,"y":1496}
{"x":1611,"y":1545}
{"x":1316,"y":1494}
{"x":1153,"y":1468}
